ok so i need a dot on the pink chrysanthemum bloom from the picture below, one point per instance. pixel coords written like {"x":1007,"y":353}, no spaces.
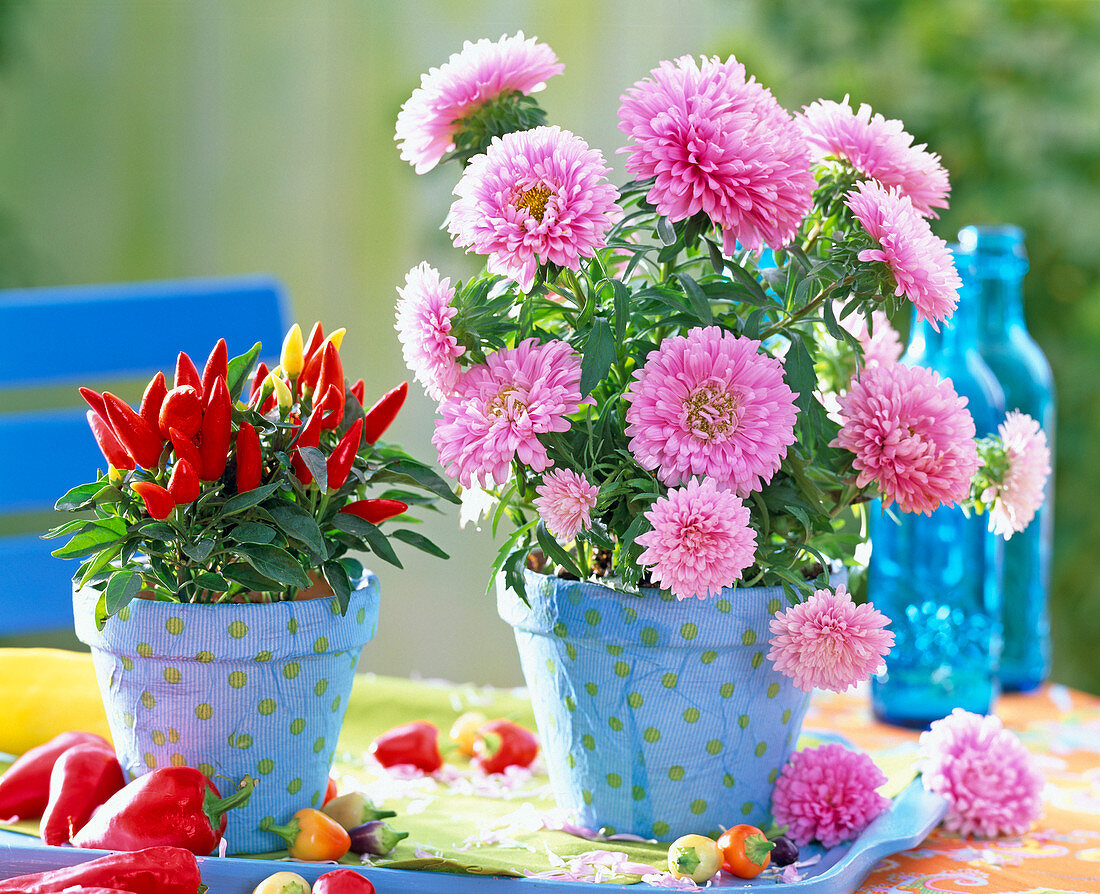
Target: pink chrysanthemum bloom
{"x":879,"y":148}
{"x":911,"y":434}
{"x":829,"y":642}
{"x":828,"y":794}
{"x":423,"y":324}
{"x":499,"y":409}
{"x":987,"y":775}
{"x":701,"y":540}
{"x":536,"y":196}
{"x":919,"y":262}
{"x":430,"y":118}
{"x":719,"y":144}
{"x":564,"y":503}
{"x":1018,"y":496}
{"x":709,"y":403}
{"x":880,"y":347}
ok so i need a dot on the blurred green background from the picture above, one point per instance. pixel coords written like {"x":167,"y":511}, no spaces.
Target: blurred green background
{"x":147,"y":139}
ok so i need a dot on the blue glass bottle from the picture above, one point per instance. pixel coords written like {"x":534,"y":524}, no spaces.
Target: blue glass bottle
{"x":938,"y":577}
{"x":993,"y":262}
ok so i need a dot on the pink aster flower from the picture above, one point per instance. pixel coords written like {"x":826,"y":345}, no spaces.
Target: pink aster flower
{"x":828,"y":794}
{"x":911,"y":434}
{"x":880,"y":347}
{"x":879,"y":148}
{"x":423,"y":325}
{"x":709,"y":403}
{"x":829,"y":642}
{"x":499,"y":409}
{"x":719,"y":144}
{"x":536,"y":196}
{"x":433,"y":115}
{"x":988,"y":777}
{"x":565,"y":501}
{"x":700,"y":542}
{"x":919,"y":262}
{"x":1019,"y":494}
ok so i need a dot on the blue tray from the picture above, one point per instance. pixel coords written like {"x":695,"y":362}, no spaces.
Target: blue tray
{"x":913,"y":814}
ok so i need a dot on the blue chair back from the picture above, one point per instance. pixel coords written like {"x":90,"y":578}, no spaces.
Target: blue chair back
{"x":57,"y":339}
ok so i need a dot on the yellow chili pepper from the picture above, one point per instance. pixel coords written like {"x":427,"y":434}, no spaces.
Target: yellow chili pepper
{"x":282,"y":392}
{"x":292,"y":358}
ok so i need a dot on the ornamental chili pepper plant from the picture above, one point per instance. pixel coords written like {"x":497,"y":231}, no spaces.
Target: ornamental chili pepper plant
{"x":240,"y":483}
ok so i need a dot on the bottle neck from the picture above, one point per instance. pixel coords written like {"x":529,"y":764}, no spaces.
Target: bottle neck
{"x":1001,"y":306}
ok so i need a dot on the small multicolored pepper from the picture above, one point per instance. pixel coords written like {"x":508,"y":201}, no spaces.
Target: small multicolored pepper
{"x":343,"y":455}
{"x":375,"y":510}
{"x":416,"y":744}
{"x":181,"y":410}
{"x":216,"y":431}
{"x":187,"y":373}
{"x":343,"y":881}
{"x":143,"y":443}
{"x":311,"y":835}
{"x":25,"y":785}
{"x":113,"y":451}
{"x":313,"y":342}
{"x":379,"y":417}
{"x":249,"y":460}
{"x":292,"y":357}
{"x":501,"y":744}
{"x":83,"y":778}
{"x":184,"y":485}
{"x":375,"y":837}
{"x":152,"y":870}
{"x":159,"y":503}
{"x":217,"y":367}
{"x":281,"y":395}
{"x":283,"y":883}
{"x":149,"y":409}
{"x":354,"y":809}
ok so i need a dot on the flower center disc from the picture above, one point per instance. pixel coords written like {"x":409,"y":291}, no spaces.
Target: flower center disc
{"x":712,"y":413}
{"x":534,"y":201}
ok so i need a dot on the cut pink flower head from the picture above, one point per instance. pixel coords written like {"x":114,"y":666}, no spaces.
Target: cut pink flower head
{"x":719,"y":144}
{"x":911,"y":434}
{"x":700,"y":542}
{"x":878,"y":148}
{"x":483,"y":71}
{"x":565,"y":502}
{"x":829,"y":642}
{"x":1018,"y":496}
{"x":423,"y":323}
{"x":536,"y":196}
{"x":827,"y":794}
{"x":919,"y":262}
{"x":709,"y":403}
{"x":499,"y":409}
{"x":988,"y":777}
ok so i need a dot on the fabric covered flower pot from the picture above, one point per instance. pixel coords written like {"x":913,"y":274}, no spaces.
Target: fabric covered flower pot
{"x":656,"y":719}
{"x":234,"y":690}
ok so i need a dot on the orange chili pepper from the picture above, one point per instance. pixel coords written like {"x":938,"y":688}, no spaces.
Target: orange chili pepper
{"x":311,"y":835}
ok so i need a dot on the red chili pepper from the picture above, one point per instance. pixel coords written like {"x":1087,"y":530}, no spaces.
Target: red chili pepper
{"x":94,"y":400}
{"x":331,"y":376}
{"x":141,"y":442}
{"x":249,"y":460}
{"x":217,"y":367}
{"x":309,"y":435}
{"x":185,"y":448}
{"x":149,"y":410}
{"x":312,"y":356}
{"x":501,"y":743}
{"x":216,"y":432}
{"x":343,"y":455}
{"x":83,"y":778}
{"x":113,"y":451}
{"x":358,"y":390}
{"x":181,"y":410}
{"x":187,"y":373}
{"x":25,"y":786}
{"x":380,"y":416}
{"x":257,"y":381}
{"x":343,"y":881}
{"x":414,"y":743}
{"x":184,"y":485}
{"x":316,"y":338}
{"x":311,"y":835}
{"x":158,"y":502}
{"x":174,"y":806}
{"x":153,"y":870}
{"x":376,"y":510}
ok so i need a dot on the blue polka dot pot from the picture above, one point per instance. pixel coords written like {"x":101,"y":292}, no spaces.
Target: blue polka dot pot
{"x":234,"y":690}
{"x":657,"y":717}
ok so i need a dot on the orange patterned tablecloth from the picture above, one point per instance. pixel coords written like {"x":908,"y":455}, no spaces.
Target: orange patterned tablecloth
{"x":1061,"y":853}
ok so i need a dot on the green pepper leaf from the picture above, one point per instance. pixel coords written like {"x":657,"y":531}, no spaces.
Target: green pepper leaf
{"x":208,"y":580}
{"x":79,"y":497}
{"x":101,"y":533}
{"x":338,"y":579}
{"x":251,"y":532}
{"x":275,"y":563}
{"x":419,"y":541}
{"x":369,"y":534}
{"x":121,"y":589}
{"x":239,"y":368}
{"x":200,"y":550}
{"x":315,"y":462}
{"x":299,"y":526}
{"x":247,"y":576}
{"x":248,"y":499}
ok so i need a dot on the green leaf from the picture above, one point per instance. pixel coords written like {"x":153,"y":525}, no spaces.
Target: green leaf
{"x":239,"y":368}
{"x":315,"y":462}
{"x":697,"y":298}
{"x":665,"y":231}
{"x":411,"y":470}
{"x":248,"y":499}
{"x":419,"y":541}
{"x":622,"y":309}
{"x":247,"y":576}
{"x":101,"y":533}
{"x":275,"y":563}
{"x":717,"y":262}
{"x":299,"y":526}
{"x":157,"y":531}
{"x":80,"y":496}
{"x":599,"y":355}
{"x":370,"y":534}
{"x":555,"y":551}
{"x":831,"y":325}
{"x":200,"y":550}
{"x":121,"y":589}
{"x":97,"y":563}
{"x":801,"y":377}
{"x":77,"y":524}
{"x":337,"y":577}
{"x":207,"y":580}
{"x":251,"y":532}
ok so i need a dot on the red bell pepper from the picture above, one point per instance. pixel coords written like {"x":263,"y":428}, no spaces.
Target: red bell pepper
{"x":501,"y":744}
{"x":331,"y":376}
{"x":416,"y":744}
{"x":358,"y":390}
{"x":217,"y":367}
{"x":153,"y":870}
{"x":311,"y":835}
{"x":375,"y":510}
{"x":343,"y":455}
{"x":159,"y":503}
{"x":151,"y":400}
{"x":184,"y":485}
{"x":25,"y":786}
{"x":216,"y":432}
{"x":174,"y":806}
{"x":83,"y":778}
{"x":343,"y":881}
{"x":380,"y":416}
{"x":187,"y":373}
{"x":113,"y":451}
{"x":181,"y":410}
{"x":141,"y":441}
{"x":249,"y":460}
